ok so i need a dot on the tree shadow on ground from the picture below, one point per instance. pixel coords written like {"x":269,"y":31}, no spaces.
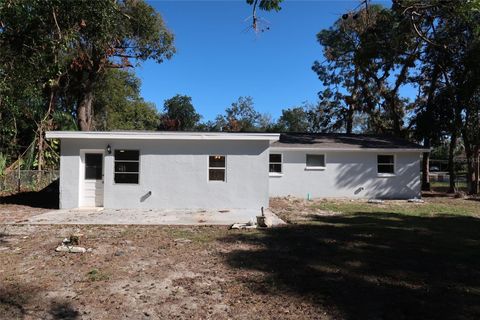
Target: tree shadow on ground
{"x":46,"y":198}
{"x":18,"y":300}
{"x":371,"y":266}
{"x":63,"y":310}
{"x":14,"y":297}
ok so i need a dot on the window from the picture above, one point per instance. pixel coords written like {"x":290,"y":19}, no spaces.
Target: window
{"x":216,"y":168}
{"x":386,"y":164}
{"x":275,"y":164}
{"x":127,"y":166}
{"x":93,"y":166}
{"x":315,"y":161}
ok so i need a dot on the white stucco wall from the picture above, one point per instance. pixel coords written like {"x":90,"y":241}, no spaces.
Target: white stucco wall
{"x":176,"y":172}
{"x":347,"y":174}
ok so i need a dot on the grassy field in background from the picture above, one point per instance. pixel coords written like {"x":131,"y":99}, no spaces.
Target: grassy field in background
{"x":458,"y":207}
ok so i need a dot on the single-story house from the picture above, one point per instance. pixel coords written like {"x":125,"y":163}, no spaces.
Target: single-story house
{"x":216,"y":170}
{"x":342,"y":165}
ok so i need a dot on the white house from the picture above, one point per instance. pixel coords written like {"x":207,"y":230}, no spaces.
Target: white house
{"x":341,"y":165}
{"x":195,"y":170}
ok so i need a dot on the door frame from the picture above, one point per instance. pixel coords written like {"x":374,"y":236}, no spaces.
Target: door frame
{"x":81,"y":179}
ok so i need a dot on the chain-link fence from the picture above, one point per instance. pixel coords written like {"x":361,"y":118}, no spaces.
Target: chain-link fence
{"x":27,"y":180}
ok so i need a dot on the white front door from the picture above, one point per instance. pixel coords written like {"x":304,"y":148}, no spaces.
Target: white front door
{"x":92,"y":191}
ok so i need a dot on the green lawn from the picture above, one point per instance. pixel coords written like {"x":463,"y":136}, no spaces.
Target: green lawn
{"x":445,"y":184}
{"x":456,"y":207}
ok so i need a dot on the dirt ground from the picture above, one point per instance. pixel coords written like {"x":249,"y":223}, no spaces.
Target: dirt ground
{"x":134,"y":272}
{"x":16,"y":213}
{"x":323,"y":265}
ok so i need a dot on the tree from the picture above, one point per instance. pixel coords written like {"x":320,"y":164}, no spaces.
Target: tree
{"x":118,"y":105}
{"x":32,"y":66}
{"x":471,"y":139}
{"x":294,"y":120}
{"x":180,"y":114}
{"x":266,"y":5}
{"x":114,"y":35}
{"x":431,"y":45}
{"x":450,"y":32}
{"x":426,"y":115}
{"x":54,"y":53}
{"x":241,"y":116}
{"x":75,"y":43}
{"x":368,"y":56}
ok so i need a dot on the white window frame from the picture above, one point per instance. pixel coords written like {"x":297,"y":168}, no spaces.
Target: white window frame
{"x":387,"y":174}
{"x":276,"y":174}
{"x":316,"y":167}
{"x":139,"y":167}
{"x":216,"y":168}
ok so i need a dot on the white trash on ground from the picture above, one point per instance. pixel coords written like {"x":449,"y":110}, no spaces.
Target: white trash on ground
{"x":376,"y":201}
{"x":416,"y":200}
{"x":72,"y":249}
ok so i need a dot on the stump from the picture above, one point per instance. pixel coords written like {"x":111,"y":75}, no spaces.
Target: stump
{"x":75,"y":239}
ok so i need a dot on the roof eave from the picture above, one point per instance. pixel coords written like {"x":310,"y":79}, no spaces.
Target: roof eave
{"x":114,"y":135}
{"x":317,"y":149}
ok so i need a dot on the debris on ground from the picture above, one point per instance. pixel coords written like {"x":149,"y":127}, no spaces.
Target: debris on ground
{"x":264,"y":221}
{"x":72,"y":249}
{"x":75,"y":238}
{"x":375,"y":201}
{"x":240,"y":226}
{"x":71,"y":244}
{"x":460,"y":195}
{"x":252,"y":222}
{"x":182,"y":240}
{"x":416,"y":200}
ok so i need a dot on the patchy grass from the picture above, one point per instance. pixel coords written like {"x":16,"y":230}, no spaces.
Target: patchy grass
{"x":335,"y":260}
{"x":203,"y":235}
{"x":97,"y":275}
{"x":457,"y":207}
{"x":365,"y":261}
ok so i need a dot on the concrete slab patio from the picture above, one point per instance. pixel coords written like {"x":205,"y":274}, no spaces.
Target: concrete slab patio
{"x":148,"y":217}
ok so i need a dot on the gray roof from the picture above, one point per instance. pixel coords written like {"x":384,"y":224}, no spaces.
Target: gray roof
{"x":343,"y":141}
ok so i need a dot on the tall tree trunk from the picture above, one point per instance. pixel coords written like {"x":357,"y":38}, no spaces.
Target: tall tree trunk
{"x":396,"y":112}
{"x":456,"y":131}
{"x":428,"y":138}
{"x":451,"y":163}
{"x":470,"y":167}
{"x":41,"y":149}
{"x":84,"y":109}
{"x":470,"y":153}
{"x":397,"y":122}
{"x":45,"y":124}
{"x":426,"y":167}
{"x":350,"y":119}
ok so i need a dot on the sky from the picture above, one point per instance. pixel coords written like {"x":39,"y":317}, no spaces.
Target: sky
{"x":219,"y":58}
